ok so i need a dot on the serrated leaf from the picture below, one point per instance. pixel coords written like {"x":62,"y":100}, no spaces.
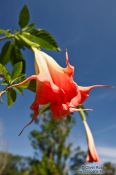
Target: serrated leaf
{"x":11,"y":97}
{"x":45,"y":39}
{"x":24,"y":16}
{"x":5,"y":73}
{"x":17,"y":70}
{"x":5,"y":53}
{"x":34,"y":41}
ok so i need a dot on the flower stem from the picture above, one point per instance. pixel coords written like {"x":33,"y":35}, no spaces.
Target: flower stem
{"x":2,"y":92}
{"x":82,"y":114}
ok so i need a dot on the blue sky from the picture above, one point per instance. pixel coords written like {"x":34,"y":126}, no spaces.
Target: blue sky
{"x":88,"y":29}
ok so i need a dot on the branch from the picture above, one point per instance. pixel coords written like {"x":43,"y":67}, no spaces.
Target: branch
{"x":3,"y":38}
{"x":2,"y":92}
{"x":82,"y":114}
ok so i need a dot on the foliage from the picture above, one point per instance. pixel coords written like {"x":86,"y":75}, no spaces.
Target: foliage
{"x":27,"y":36}
{"x":77,"y":159}
{"x":109,"y":168}
{"x":53,"y":154}
{"x":20,"y":165}
{"x":16,"y":165}
{"x":51,"y":143}
{"x":50,"y":140}
{"x":52,"y":151}
{"x":3,"y":161}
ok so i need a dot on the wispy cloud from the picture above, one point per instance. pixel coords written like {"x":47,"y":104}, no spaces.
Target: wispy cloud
{"x":102,"y":131}
{"x":108,"y":153}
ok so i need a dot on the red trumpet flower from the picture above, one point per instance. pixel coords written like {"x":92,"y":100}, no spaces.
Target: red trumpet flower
{"x":55,"y":85}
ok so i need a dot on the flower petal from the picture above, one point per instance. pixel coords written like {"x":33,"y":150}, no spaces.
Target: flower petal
{"x":92,"y":153}
{"x":69,"y":69}
{"x":55,"y":85}
{"x":59,"y":110}
{"x":61,"y":77}
{"x":83,"y":93}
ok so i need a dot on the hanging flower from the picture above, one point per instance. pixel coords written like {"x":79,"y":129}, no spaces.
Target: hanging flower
{"x":92,"y":153}
{"x":55,"y":85}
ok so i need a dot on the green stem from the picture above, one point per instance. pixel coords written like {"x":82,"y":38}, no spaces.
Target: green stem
{"x":82,"y":114}
{"x":2,"y":92}
{"x":7,"y":37}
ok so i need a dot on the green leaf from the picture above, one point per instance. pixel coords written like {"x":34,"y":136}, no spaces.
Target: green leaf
{"x":18,"y":79}
{"x":19,"y":90}
{"x":4,"y":83}
{"x":6,"y":33}
{"x":19,"y":43}
{"x":2,"y":31}
{"x":5,"y":73}
{"x":27,"y":39}
{"x":11,"y":97}
{"x":32,"y":85}
{"x":24,"y":16}
{"x":66,"y":151}
{"x":5,"y":53}
{"x":29,"y":85}
{"x":17,"y":56}
{"x":29,"y":28}
{"x":17,"y":70}
{"x":35,"y":41}
{"x":45,"y":39}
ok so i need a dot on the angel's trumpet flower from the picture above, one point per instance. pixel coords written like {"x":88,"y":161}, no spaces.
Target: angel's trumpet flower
{"x":55,"y":85}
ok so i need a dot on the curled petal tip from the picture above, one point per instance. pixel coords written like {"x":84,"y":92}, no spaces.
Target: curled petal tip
{"x":72,"y":109}
{"x":88,"y":88}
{"x":88,"y":109}
{"x":107,"y":86}
{"x":102,"y":86}
{"x":66,"y":56}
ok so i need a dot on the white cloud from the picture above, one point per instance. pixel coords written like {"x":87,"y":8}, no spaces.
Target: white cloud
{"x":108,"y":153}
{"x":104,"y":130}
